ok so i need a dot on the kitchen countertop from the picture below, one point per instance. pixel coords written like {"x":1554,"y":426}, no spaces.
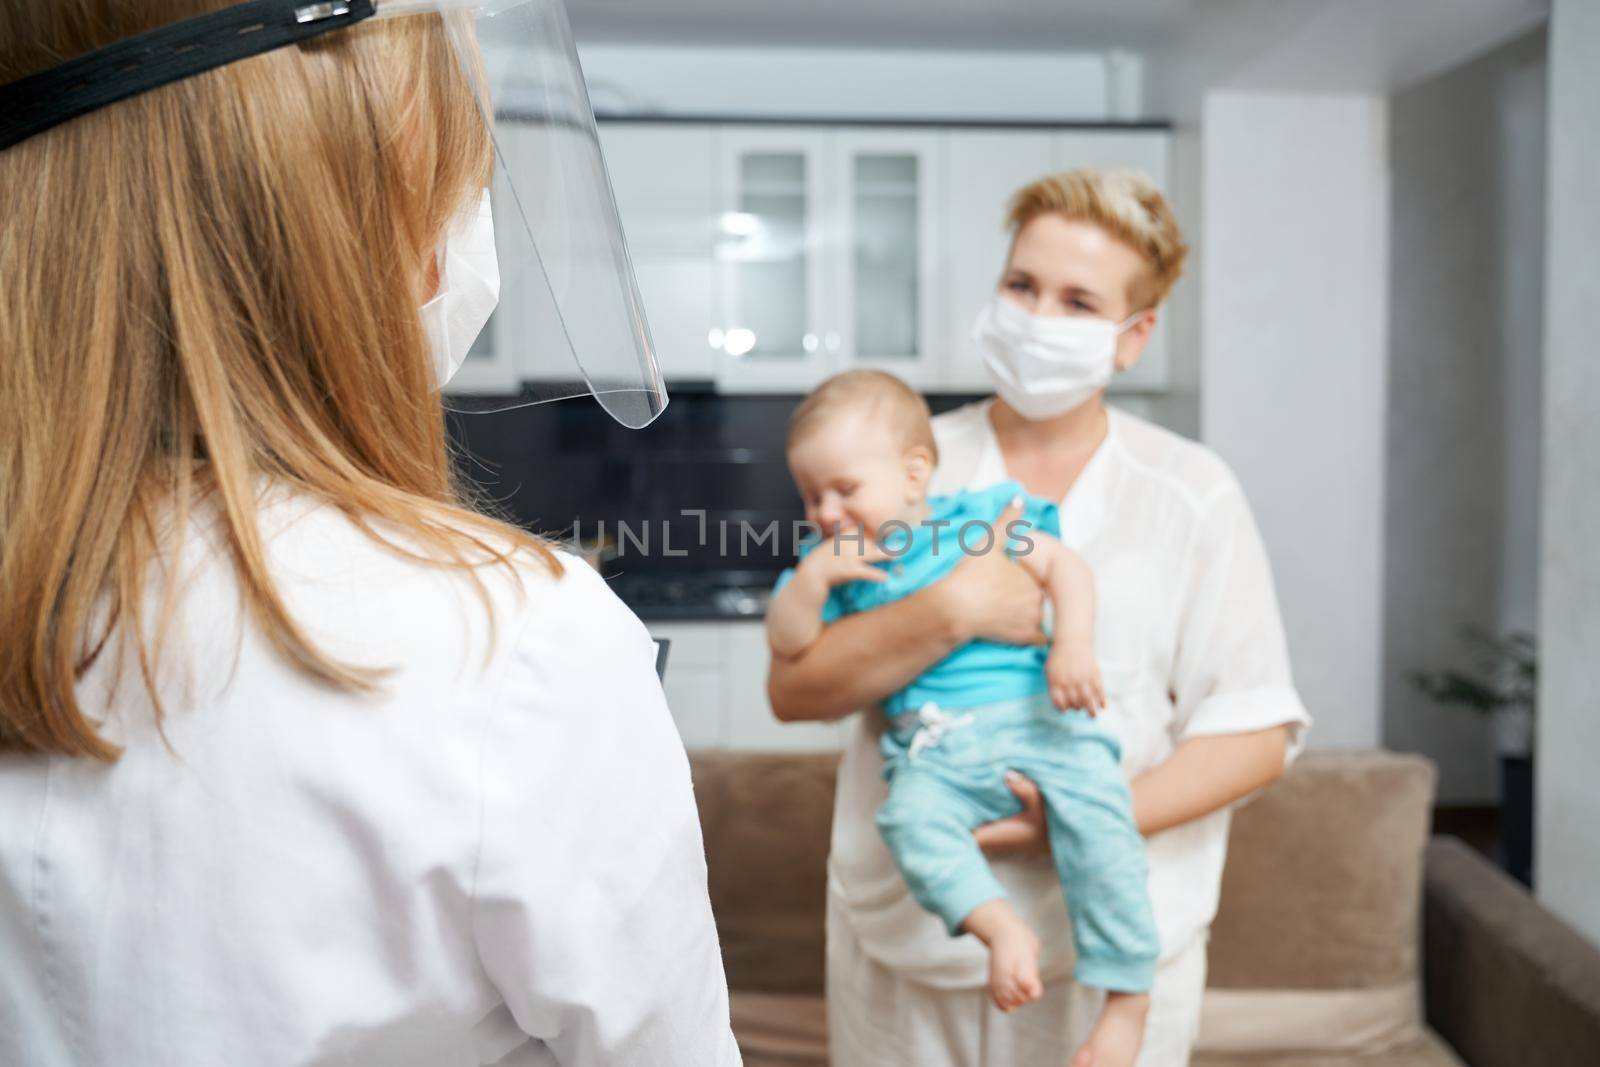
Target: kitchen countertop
{"x":692,"y":600}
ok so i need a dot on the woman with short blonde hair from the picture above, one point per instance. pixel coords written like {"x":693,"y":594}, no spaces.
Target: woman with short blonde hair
{"x":303,"y":758}
{"x":1188,"y":640}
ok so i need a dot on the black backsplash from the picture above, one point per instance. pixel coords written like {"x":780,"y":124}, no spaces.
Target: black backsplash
{"x":557,"y":465}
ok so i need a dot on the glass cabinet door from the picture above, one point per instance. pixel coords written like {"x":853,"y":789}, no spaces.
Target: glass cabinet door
{"x":886,"y":307}
{"x":765,"y":238}
{"x":769,"y":244}
{"x":883,"y":240}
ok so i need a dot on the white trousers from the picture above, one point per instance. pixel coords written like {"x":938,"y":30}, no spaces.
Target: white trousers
{"x":877,"y":1018}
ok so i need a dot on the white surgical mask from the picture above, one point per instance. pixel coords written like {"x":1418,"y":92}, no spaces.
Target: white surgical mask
{"x":1046,"y":365}
{"x":469,"y":289}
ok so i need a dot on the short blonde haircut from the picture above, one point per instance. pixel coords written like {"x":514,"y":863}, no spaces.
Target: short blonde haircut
{"x":1124,"y":203}
{"x":873,"y":393}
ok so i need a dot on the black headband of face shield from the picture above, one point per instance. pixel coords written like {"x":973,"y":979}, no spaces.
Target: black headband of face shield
{"x":149,"y":60}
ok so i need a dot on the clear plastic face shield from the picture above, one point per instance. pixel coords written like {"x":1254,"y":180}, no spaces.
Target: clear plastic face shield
{"x":569,"y":321}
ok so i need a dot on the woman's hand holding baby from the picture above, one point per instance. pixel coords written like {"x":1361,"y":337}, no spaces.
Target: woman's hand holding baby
{"x":1022,"y":834}
{"x":989,"y":597}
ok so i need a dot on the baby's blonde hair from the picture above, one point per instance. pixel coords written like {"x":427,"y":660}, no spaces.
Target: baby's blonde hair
{"x":874,"y":393}
{"x":1125,"y":204}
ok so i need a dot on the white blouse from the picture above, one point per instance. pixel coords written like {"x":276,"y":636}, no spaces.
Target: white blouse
{"x":1190,"y":643}
{"x":496,"y":859}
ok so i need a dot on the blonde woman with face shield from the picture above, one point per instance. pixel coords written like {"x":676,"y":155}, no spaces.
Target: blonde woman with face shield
{"x":1188,"y":639}
{"x":302,"y":760}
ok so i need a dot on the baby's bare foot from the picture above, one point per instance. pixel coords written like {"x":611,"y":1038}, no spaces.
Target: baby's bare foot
{"x":1013,"y":954}
{"x":1118,"y":1034}
{"x":1014,"y":968}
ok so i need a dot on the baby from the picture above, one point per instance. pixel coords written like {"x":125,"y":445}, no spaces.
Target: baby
{"x":861,"y":450}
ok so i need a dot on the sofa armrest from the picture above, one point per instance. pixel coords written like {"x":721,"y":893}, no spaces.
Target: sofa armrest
{"x":1506,"y":982}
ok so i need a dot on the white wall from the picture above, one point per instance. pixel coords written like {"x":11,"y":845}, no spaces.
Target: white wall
{"x":1293,"y":365}
{"x":1465,"y":336}
{"x":765,"y":81}
{"x":1567,"y":845}
{"x":1179,"y":407}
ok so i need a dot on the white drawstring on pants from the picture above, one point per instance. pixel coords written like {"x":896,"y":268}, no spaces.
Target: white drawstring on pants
{"x":936,"y":722}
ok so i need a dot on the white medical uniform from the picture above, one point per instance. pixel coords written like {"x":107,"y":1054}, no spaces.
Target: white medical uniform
{"x":1190,"y":643}
{"x":496,"y":859}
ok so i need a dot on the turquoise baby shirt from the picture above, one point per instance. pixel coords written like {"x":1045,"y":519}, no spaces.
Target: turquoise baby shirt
{"x":979,"y":672}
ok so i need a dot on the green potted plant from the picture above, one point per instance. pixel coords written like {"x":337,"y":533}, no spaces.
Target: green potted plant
{"x":1502,"y":683}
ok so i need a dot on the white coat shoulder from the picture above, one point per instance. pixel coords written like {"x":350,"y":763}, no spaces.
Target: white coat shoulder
{"x":496,"y":846}
{"x":362,"y":593}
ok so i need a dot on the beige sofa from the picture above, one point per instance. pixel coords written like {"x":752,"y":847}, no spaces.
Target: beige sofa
{"x":1336,"y":912}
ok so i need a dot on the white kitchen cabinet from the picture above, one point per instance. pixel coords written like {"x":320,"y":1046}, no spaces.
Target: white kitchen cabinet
{"x":1127,"y":149}
{"x":831,"y":256}
{"x":982,"y":169}
{"x":776,"y":330}
{"x":697,"y":699}
{"x":716,"y":686}
{"x":885,"y":262}
{"x":695,"y":681}
{"x":664,"y":177}
{"x":750,"y":722}
{"x":771,"y":256}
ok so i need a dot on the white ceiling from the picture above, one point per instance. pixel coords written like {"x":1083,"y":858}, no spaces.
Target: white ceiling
{"x":1088,"y":25}
{"x":1301,"y":45}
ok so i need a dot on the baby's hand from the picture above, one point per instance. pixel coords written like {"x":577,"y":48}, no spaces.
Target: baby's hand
{"x":1075,"y":677}
{"x":834,"y":562}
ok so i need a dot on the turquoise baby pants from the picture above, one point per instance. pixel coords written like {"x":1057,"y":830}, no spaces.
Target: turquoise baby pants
{"x":946,"y":776}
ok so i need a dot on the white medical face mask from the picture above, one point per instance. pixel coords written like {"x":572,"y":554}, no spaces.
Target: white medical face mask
{"x":469,"y":289}
{"x":1046,"y":365}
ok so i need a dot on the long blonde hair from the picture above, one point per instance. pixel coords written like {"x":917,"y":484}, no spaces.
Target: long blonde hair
{"x":208,"y":284}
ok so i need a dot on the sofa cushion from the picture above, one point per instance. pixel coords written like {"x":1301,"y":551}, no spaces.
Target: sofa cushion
{"x":776,"y":1030}
{"x":1426,"y":1050}
{"x":1314,"y":947}
{"x":767,"y":819}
